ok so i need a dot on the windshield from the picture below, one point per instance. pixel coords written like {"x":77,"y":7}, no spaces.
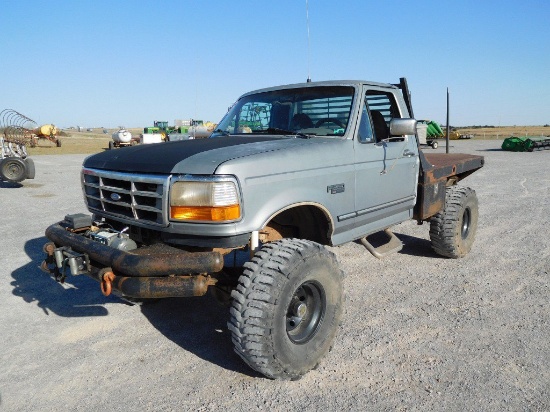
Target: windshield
{"x":319,"y":111}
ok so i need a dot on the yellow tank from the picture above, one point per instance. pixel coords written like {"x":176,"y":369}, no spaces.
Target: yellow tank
{"x":210,"y":126}
{"x":46,"y":130}
{"x":454,"y":135}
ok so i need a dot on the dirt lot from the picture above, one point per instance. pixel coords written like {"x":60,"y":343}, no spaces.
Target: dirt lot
{"x":419,"y":333}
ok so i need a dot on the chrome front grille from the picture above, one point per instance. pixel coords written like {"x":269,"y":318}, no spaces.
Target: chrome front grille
{"x":141,"y":199}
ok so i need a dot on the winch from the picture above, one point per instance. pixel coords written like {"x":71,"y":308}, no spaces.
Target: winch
{"x":113,"y":238}
{"x":59,"y":258}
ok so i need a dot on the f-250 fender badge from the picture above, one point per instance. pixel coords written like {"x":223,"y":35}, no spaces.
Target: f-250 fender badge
{"x":339,"y":188}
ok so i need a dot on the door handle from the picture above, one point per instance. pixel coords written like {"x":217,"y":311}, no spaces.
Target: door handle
{"x":408,"y":153}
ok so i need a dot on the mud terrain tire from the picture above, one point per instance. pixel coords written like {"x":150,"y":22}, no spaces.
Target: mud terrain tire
{"x":453,"y":229}
{"x":287,"y":308}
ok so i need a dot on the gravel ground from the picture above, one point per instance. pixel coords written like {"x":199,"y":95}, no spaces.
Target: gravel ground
{"x":420,"y":332}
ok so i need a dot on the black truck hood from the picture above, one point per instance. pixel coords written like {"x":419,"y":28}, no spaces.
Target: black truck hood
{"x":172,"y":157}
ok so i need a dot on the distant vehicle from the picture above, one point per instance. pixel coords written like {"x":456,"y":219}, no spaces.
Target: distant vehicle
{"x":159,"y":127}
{"x":47,"y":132}
{"x":434,"y":131}
{"x":192,"y":129}
{"x":122,"y":138}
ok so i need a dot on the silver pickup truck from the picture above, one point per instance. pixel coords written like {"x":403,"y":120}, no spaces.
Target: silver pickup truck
{"x":247,"y":212}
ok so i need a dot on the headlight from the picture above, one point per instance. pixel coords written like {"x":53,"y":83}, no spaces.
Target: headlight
{"x":205,"y":201}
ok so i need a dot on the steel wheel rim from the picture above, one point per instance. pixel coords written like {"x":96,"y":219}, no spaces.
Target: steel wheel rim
{"x":305,"y":312}
{"x":466,"y":221}
{"x":13,"y":170}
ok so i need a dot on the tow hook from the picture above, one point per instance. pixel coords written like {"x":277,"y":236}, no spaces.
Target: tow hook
{"x":49,"y":264}
{"x":105,"y":282}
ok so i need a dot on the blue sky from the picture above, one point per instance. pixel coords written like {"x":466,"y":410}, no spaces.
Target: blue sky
{"x":110,"y":63}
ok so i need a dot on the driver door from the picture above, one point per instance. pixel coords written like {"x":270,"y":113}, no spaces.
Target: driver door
{"x":386,"y":168}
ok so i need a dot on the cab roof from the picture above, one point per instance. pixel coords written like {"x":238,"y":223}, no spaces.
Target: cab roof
{"x":353,"y":83}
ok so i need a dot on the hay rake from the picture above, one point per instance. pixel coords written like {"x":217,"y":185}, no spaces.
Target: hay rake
{"x":16,"y":131}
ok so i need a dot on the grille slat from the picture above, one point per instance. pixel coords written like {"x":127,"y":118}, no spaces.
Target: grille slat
{"x":146,"y":208}
{"x":147,"y":194}
{"x":115,"y":189}
{"x":135,"y":198}
{"x":118,"y":204}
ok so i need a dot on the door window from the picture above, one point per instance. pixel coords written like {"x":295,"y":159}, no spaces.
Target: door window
{"x":378,"y":111}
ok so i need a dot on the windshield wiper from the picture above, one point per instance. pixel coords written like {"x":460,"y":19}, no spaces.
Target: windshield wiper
{"x":275,"y":130}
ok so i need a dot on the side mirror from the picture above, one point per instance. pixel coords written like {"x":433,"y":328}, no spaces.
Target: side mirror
{"x":401,"y":127}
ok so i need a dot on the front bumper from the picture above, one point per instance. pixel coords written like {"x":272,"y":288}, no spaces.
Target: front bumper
{"x":156,"y":271}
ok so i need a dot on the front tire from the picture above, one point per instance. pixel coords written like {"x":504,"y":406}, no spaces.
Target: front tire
{"x":287,"y":308}
{"x":453,"y":229}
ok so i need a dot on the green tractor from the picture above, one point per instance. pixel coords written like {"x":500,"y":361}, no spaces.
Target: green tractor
{"x":160,"y":127}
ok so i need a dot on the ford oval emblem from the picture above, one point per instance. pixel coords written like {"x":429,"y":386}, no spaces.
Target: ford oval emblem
{"x":116,"y":197}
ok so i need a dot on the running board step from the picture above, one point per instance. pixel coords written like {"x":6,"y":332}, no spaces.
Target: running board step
{"x":392,"y":245}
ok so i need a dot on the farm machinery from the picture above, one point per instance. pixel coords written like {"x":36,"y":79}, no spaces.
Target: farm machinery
{"x":188,"y":129}
{"x":122,"y":138}
{"x":433,"y":131}
{"x":158,"y":132}
{"x":526,"y":143}
{"x":47,"y":132}
{"x":192,"y":129}
{"x":160,"y":127}
{"x":16,"y":130}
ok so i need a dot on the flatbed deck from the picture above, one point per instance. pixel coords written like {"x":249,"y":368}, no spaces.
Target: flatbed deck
{"x":437,"y":170}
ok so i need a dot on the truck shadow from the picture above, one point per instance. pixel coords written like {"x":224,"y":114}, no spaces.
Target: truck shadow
{"x":198,"y":325}
{"x":78,"y":297}
{"x":414,"y":246}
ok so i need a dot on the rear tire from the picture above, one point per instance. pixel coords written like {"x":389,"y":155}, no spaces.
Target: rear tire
{"x":13,"y":169}
{"x":453,"y":229}
{"x":287,"y":308}
{"x":435,"y":145}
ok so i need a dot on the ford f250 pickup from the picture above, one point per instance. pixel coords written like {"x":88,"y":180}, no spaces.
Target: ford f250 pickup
{"x":248,"y":212}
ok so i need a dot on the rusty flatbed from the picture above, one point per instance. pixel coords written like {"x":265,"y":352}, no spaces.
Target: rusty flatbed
{"x":440,"y":160}
{"x":438,"y":170}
